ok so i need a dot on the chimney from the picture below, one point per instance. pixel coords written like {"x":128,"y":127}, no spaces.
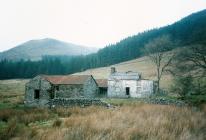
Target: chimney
{"x":113,"y":70}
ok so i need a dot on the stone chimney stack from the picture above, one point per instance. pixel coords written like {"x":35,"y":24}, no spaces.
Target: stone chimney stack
{"x":113,"y":70}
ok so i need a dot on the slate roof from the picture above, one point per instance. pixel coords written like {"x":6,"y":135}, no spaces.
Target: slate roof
{"x":125,"y":76}
{"x":67,"y":79}
{"x":102,"y":82}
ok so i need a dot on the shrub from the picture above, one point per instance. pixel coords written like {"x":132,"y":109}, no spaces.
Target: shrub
{"x":57,"y":123}
{"x":183,"y":85}
{"x":25,"y":116}
{"x":33,"y":133}
{"x":63,"y":112}
{"x":10,"y":130}
{"x":6,"y":114}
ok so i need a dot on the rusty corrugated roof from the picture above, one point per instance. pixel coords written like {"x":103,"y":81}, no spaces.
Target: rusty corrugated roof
{"x":102,"y":82}
{"x":66,"y":79}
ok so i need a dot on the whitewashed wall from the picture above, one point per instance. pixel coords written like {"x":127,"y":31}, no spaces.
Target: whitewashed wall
{"x":145,"y":88}
{"x":138,"y":88}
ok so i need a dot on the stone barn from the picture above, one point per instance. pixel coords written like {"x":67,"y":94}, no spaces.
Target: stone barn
{"x":42,"y":88}
{"x":128,"y":84}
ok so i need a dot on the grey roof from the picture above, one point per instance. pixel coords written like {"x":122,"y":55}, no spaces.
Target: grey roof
{"x":124,"y":76}
{"x":66,"y":79}
{"x":101,"y":82}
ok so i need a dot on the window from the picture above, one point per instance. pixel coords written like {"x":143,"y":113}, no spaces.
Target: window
{"x":36,"y":94}
{"x":127,"y":90}
{"x":57,"y":88}
{"x":52,"y":95}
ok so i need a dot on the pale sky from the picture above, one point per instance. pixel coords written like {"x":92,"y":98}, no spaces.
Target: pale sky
{"x":93,"y":23}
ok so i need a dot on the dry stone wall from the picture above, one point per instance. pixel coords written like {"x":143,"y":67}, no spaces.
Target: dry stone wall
{"x":40,"y":84}
{"x":69,"y":102}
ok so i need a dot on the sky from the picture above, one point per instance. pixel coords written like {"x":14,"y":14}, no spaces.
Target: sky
{"x":93,"y":23}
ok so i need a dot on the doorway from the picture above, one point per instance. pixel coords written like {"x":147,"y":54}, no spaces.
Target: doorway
{"x":36,"y":94}
{"x":127,"y":91}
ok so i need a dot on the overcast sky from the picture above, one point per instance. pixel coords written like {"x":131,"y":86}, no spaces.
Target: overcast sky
{"x":94,"y":23}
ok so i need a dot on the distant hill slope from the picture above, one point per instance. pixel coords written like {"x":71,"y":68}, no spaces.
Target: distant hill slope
{"x":141,"y":65}
{"x":190,"y":30}
{"x":34,"y":49}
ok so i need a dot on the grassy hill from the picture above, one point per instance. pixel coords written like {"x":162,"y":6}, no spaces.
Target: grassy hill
{"x":187,"y":31}
{"x":35,"y":49}
{"x":142,"y":65}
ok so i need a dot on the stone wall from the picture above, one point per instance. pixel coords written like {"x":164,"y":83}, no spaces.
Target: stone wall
{"x":137,"y":88}
{"x":40,"y":84}
{"x":69,"y":91}
{"x":69,"y":102}
{"x":90,"y":88}
{"x":117,"y":88}
{"x":145,"y":88}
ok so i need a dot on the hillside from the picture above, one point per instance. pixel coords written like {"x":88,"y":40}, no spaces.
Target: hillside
{"x":141,"y":65}
{"x":35,"y":49}
{"x":188,"y":31}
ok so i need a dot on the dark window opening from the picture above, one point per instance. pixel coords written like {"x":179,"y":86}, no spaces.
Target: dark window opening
{"x":52,"y":95}
{"x":36,"y":94}
{"x":102,"y":90}
{"x":57,"y":88}
{"x":127,"y":91}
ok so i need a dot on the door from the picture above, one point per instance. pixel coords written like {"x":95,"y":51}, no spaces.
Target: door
{"x":127,"y":91}
{"x":36,"y":94}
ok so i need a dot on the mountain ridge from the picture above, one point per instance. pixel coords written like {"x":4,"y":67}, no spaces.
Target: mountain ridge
{"x":35,"y":49}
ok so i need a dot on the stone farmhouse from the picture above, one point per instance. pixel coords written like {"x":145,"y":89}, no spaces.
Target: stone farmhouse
{"x":128,"y":84}
{"x":42,"y":88}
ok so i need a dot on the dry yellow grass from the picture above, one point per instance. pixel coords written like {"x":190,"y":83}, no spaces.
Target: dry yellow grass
{"x":139,"y":121}
{"x":130,"y":121}
{"x":142,"y":65}
{"x":12,"y":91}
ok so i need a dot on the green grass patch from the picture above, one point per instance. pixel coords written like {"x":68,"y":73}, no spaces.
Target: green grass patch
{"x":6,"y":105}
{"x":195,"y":99}
{"x":47,"y":123}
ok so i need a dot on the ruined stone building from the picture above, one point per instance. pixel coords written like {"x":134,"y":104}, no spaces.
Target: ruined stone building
{"x":42,"y":88}
{"x":102,"y":84}
{"x":128,"y":84}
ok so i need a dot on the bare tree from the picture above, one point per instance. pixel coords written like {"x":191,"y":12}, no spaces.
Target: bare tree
{"x":156,"y":50}
{"x":190,"y":62}
{"x":194,"y":58}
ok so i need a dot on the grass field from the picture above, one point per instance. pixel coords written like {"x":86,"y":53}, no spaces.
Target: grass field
{"x":130,"y":120}
{"x":141,"y":65}
{"x":11,"y":92}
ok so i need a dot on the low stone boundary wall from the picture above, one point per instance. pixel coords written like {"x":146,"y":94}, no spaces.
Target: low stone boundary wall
{"x":68,"y":102}
{"x":163,"y":101}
